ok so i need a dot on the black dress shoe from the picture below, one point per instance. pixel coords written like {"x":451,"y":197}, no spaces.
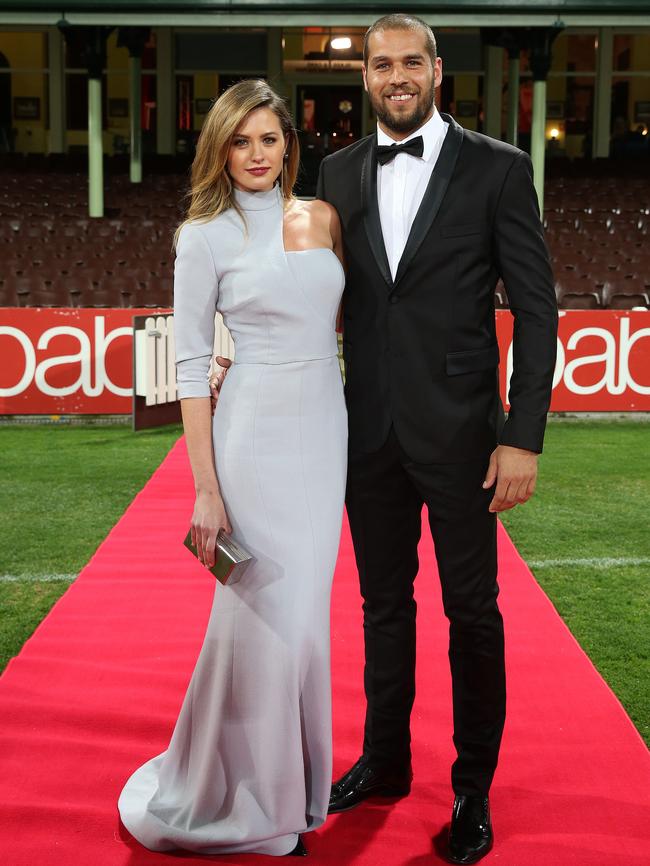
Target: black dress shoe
{"x":299,"y":850}
{"x":362,"y":781}
{"x":470,"y":835}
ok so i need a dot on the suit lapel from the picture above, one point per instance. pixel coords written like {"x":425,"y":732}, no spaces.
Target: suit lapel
{"x":433,"y":196}
{"x":370,"y":210}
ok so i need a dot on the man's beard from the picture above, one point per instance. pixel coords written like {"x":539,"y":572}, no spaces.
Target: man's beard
{"x":406,"y":123}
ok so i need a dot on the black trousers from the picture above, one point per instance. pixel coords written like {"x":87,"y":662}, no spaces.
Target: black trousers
{"x":385,"y":494}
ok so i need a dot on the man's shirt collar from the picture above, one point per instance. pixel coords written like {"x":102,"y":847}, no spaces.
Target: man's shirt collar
{"x":431,"y":132}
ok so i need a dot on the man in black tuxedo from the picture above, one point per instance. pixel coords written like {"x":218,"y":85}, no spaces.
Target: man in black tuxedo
{"x":432,"y":216}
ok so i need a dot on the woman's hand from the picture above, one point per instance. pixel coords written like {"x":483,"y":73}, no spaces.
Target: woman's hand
{"x":208,"y":518}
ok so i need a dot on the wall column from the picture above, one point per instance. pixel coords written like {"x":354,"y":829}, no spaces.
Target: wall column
{"x":95,"y":149}
{"x":134,"y":39}
{"x":56,"y":91}
{"x":492,"y":91}
{"x":513,"y":95}
{"x":165,"y":91}
{"x":90,"y":44}
{"x":274,"y":65}
{"x":603,"y":94}
{"x":541,"y":47}
{"x":135,"y":113}
{"x":538,"y":138}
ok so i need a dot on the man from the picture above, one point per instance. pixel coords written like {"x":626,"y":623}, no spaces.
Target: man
{"x":432,"y":215}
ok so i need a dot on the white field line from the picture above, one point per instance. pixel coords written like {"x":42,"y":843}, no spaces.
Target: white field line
{"x":12,"y":578}
{"x":594,"y":562}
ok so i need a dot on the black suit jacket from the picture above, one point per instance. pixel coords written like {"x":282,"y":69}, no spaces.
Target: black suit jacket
{"x":420,"y":351}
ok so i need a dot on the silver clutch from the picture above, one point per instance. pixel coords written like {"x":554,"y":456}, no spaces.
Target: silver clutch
{"x":231,"y":559}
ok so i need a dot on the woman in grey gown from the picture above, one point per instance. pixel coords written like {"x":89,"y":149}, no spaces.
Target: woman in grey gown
{"x":248,"y":767}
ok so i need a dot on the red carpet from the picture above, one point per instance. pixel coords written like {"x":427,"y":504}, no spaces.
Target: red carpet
{"x":96,"y":691}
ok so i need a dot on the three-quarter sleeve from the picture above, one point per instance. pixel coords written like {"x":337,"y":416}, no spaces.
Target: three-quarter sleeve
{"x":196,"y":289}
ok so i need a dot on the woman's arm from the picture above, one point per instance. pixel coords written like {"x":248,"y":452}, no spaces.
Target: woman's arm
{"x":196,"y":289}
{"x":209,"y":514}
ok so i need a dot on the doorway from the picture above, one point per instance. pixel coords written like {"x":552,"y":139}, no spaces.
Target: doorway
{"x":328,"y":118}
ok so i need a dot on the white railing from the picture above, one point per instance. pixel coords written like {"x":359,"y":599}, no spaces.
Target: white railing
{"x":154,"y":357}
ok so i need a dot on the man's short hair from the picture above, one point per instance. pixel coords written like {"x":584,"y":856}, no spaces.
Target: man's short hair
{"x":401,"y":21}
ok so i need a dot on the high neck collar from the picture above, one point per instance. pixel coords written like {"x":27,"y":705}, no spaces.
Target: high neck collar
{"x":262,"y":200}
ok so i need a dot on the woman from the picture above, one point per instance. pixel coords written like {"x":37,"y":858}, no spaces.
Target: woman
{"x":249,"y":763}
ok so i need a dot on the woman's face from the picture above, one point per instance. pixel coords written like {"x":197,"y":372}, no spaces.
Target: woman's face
{"x":256,"y":153}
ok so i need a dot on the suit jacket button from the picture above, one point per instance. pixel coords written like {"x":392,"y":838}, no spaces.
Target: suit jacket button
{"x":394,"y":299}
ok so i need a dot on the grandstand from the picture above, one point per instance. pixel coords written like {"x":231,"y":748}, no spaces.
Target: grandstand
{"x":88,"y":222}
{"x":598,"y":238}
{"x":55,"y":255}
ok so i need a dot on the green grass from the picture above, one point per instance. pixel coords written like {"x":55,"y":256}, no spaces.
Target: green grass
{"x":24,"y":603}
{"x":63,"y":488}
{"x":593,"y":503}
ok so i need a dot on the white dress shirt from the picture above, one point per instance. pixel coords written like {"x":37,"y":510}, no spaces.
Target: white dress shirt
{"x":402,"y":182}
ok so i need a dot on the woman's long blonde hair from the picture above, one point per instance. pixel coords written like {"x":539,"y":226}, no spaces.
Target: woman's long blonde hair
{"x":212,"y":188}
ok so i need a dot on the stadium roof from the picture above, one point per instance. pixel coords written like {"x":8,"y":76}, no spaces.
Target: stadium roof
{"x":557,"y":6}
{"x":296,"y":12}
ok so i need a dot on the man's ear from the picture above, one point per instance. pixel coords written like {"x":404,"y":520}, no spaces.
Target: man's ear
{"x":365,"y":79}
{"x":437,"y":73}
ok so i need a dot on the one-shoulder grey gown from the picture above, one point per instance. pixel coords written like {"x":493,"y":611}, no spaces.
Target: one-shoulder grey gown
{"x":248,"y":766}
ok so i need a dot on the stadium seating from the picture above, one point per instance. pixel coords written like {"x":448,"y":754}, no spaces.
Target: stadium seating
{"x":53,"y":254}
{"x":628,"y":293}
{"x":597,"y":233}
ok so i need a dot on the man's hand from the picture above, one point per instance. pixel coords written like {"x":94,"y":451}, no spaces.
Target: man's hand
{"x":515,"y":473}
{"x":216,"y":380}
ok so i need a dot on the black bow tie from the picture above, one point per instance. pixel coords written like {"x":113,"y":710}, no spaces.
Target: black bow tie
{"x":386,"y":152}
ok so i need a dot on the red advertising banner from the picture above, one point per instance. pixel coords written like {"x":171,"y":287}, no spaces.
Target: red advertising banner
{"x":603,"y":360}
{"x":79,"y":361}
{"x":66,"y":361}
